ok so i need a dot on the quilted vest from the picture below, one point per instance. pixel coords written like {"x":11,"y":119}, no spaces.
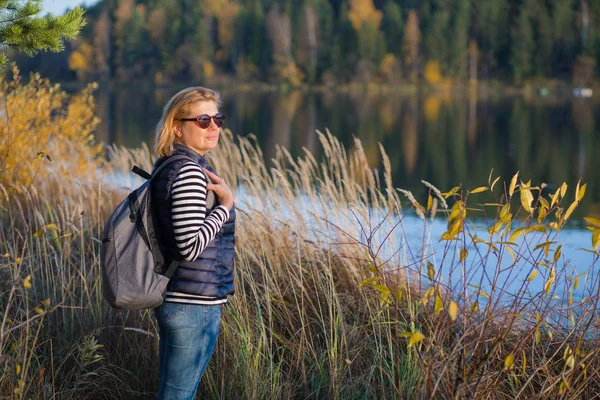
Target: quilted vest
{"x":211,"y":274}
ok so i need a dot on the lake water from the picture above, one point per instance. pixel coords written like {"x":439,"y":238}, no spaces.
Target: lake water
{"x":443,"y":138}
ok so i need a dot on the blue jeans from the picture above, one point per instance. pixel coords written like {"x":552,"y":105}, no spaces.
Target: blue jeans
{"x":188,"y":333}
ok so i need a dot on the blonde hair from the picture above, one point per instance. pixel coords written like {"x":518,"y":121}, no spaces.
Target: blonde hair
{"x":178,"y":107}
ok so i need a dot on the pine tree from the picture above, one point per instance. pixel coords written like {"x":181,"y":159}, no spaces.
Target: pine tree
{"x":22,"y":30}
{"x":523,"y":45}
{"x":392,"y":26}
{"x":460,"y":39}
{"x":492,"y":32}
{"x":435,"y":19}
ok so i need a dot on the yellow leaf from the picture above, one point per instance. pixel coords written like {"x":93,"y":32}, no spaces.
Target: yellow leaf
{"x":439,"y":306}
{"x":554,"y":198}
{"x":475,"y":307}
{"x":496,"y":227}
{"x":415,"y":338}
{"x":570,"y":210}
{"x":46,"y":303}
{"x":38,"y":310}
{"x":40,"y":155}
{"x":513,"y":183}
{"x":596,"y":239}
{"x":563,"y":189}
{"x":592,"y":221}
{"x":453,"y":310}
{"x":427,"y":295}
{"x":494,"y":184}
{"x":570,"y":298}
{"x":479,"y":189}
{"x":430,"y":270}
{"x":516,"y":233}
{"x":27,"y":282}
{"x":370,"y":280}
{"x":483,"y":294}
{"x":533,"y":275}
{"x":51,"y":227}
{"x":564,"y":386}
{"x":509,"y":361}
{"x":18,"y":369}
{"x":464,"y":253}
{"x":511,"y":252}
{"x":557,"y":253}
{"x":549,"y":282}
{"x":18,"y":260}
{"x":526,"y":197}
{"x":6,"y":255}
{"x":569,"y":357}
{"x":505,"y":210}
{"x":384,"y":290}
{"x":581,"y":192}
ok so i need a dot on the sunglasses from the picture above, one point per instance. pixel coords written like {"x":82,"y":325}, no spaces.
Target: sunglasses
{"x":203,"y":121}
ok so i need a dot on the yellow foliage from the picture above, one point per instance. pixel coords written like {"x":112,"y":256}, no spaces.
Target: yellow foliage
{"x":227,"y":17}
{"x":47,"y":135}
{"x":363,"y":11}
{"x":432,"y":72}
{"x":208,"y":69}
{"x":213,"y":7}
{"x":387,"y":115}
{"x":431,"y":108}
{"x":81,"y":59}
{"x":291,"y":74}
{"x":387,"y":64}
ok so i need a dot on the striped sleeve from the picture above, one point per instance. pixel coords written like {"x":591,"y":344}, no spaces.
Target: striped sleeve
{"x":192,"y":227}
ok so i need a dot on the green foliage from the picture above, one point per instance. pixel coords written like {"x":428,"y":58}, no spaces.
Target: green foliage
{"x":20,"y":29}
{"x":524,"y":45}
{"x":337,"y":40}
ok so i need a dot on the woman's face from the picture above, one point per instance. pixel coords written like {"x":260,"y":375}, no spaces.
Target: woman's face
{"x":191,"y":135}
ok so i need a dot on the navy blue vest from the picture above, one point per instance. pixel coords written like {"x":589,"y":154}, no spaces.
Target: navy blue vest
{"x":211,"y":274}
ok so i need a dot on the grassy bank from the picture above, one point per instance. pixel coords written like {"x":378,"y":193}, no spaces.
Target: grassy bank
{"x":319,"y":312}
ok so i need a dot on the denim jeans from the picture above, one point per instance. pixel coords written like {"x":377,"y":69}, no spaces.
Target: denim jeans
{"x":188,"y":333}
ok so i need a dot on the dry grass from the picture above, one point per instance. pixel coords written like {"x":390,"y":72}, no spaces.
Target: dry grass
{"x":333,"y":297}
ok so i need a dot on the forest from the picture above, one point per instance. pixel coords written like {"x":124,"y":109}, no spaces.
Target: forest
{"x":330,"y":42}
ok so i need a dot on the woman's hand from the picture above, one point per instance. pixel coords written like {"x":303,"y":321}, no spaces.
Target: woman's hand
{"x":221,"y":190}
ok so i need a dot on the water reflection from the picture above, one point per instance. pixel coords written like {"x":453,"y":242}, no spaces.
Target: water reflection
{"x":444,"y":138}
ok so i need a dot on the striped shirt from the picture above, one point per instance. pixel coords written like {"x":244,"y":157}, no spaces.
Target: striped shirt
{"x":192,"y":227}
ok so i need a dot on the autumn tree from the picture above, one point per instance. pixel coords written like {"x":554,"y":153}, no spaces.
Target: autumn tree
{"x":102,"y":43}
{"x":412,"y":39}
{"x":280,"y":35}
{"x":308,"y":46}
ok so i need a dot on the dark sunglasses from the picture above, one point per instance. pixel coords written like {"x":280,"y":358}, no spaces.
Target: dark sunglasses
{"x":203,"y":121}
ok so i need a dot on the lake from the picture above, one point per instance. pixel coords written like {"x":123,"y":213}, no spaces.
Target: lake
{"x":444,"y":138}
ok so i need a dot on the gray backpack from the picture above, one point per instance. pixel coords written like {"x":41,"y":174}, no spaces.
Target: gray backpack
{"x":131,"y":258}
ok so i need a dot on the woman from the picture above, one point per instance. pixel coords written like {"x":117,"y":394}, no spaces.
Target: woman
{"x":201,"y":237}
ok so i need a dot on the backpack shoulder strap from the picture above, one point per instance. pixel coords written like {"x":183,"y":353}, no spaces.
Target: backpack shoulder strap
{"x":167,"y":162}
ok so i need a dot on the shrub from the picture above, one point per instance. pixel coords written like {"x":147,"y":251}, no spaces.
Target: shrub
{"x":41,"y":123}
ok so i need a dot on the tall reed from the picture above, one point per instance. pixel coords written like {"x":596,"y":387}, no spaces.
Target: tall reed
{"x":334,"y":296}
